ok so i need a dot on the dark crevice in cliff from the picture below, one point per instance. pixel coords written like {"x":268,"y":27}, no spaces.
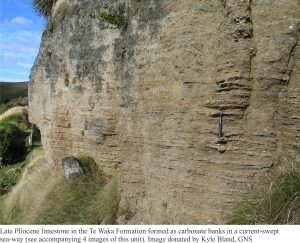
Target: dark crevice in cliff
{"x":223,"y":2}
{"x":252,"y":52}
{"x":290,"y":63}
{"x":287,"y":98}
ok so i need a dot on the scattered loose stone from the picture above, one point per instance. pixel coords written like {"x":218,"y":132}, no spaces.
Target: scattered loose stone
{"x":71,"y":169}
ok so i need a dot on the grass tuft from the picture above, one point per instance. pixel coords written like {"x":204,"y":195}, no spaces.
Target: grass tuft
{"x":90,"y":168}
{"x":62,"y":11}
{"x":9,"y":176}
{"x":91,"y":200}
{"x":276,"y":203}
{"x":51,"y":25}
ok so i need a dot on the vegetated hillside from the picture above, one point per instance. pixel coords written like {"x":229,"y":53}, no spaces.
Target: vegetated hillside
{"x":11,"y":90}
{"x":14,"y":133}
{"x":138,"y":86}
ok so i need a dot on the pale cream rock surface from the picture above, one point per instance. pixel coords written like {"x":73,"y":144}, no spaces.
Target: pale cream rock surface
{"x":142,"y":100}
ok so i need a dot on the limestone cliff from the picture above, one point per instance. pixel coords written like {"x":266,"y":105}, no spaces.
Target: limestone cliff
{"x":139,"y":89}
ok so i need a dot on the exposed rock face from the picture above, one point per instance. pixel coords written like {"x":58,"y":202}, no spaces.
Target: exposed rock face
{"x":71,"y":169}
{"x":143,"y":99}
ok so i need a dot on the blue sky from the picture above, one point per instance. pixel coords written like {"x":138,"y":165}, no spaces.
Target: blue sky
{"x":20,"y":35}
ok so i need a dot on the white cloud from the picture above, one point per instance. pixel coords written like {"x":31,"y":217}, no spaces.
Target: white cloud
{"x":28,"y":65}
{"x":21,"y":21}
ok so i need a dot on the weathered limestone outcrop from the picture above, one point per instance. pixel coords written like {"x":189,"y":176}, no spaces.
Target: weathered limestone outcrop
{"x":142,"y":99}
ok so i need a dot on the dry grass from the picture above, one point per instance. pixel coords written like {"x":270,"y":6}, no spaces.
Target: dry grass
{"x":61,"y":11}
{"x":21,"y":205}
{"x":90,"y":201}
{"x":44,"y":198}
{"x":14,"y":111}
{"x":276,"y":202}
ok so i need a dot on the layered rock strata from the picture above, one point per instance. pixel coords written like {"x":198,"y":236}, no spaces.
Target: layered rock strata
{"x":141,"y":96}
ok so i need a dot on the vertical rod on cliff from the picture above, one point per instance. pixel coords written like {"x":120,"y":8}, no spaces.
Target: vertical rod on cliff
{"x":220,"y":131}
{"x":30,"y":139}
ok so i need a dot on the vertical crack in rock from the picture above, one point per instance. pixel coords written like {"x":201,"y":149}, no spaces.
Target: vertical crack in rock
{"x":223,"y":2}
{"x":269,"y":90}
{"x":252,"y":53}
{"x":288,"y":109}
{"x":290,"y":63}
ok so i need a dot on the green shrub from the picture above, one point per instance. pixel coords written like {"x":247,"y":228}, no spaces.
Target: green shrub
{"x":13,"y":138}
{"x":273,"y":204}
{"x":2,"y":108}
{"x":43,"y":7}
{"x":19,"y":120}
{"x":114,"y":19}
{"x":12,"y":143}
{"x":109,"y":15}
{"x":51,"y":25}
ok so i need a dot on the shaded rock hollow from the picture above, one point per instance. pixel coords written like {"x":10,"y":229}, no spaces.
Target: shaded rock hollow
{"x":142,"y":99}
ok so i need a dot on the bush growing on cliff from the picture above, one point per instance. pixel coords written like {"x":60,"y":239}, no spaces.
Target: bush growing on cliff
{"x":114,"y":19}
{"x":51,"y":25}
{"x":108,"y":14}
{"x":62,"y":11}
{"x":43,"y":7}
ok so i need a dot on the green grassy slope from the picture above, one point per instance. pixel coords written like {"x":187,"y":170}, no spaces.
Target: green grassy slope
{"x":9,"y":90}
